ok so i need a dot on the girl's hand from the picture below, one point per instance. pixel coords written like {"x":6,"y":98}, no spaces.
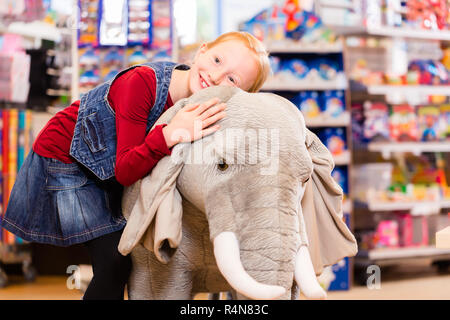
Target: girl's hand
{"x":194,"y":122}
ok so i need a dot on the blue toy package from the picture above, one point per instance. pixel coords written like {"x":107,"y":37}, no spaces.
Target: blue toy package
{"x":326,"y":68}
{"x":333,"y":103}
{"x":297,"y":67}
{"x":340,"y":175}
{"x":90,"y":58}
{"x":113,"y":57}
{"x":275,"y":64}
{"x":308,"y":103}
{"x":334,"y":140}
{"x":89,"y":78}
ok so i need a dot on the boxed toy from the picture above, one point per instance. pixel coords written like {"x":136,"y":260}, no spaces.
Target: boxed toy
{"x":403,"y":124}
{"x":308,"y":103}
{"x":413,"y":230}
{"x":444,"y":122}
{"x":333,"y":103}
{"x":376,"y":121}
{"x":429,"y":123}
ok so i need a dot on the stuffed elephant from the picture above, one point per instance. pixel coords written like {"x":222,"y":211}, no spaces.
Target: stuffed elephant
{"x":229,"y":212}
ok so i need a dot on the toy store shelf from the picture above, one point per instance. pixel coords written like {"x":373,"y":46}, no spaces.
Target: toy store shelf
{"x":277,"y":85}
{"x":342,"y":120}
{"x":299,"y":47}
{"x":36,"y":30}
{"x":392,"y":32}
{"x":410,"y":205}
{"x":409,"y":89}
{"x":402,"y":253}
{"x":342,"y":159}
{"x":386,"y":148}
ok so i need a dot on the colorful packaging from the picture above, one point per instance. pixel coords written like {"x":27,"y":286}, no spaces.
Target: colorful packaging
{"x":403,"y":124}
{"x":334,"y":140}
{"x":333,"y":103}
{"x":376,"y":121}
{"x":340,"y":175}
{"x":88,"y":32}
{"x":387,"y":234}
{"x":413,"y":230}
{"x":308,"y":103}
{"x":444,"y":122}
{"x":326,"y":68}
{"x":113,"y":27}
{"x":429,"y":123}
{"x":297,"y":67}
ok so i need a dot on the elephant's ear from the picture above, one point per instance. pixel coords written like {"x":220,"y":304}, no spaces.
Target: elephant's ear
{"x":330,"y":240}
{"x":144,"y":201}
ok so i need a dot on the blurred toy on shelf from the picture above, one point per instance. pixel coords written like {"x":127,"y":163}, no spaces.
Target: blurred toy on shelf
{"x":427,"y":72}
{"x":139,"y":26}
{"x":88,"y":33}
{"x":308,"y":103}
{"x":113,"y":23}
{"x":428,"y":14}
{"x":324,"y":73}
{"x":339,"y":174}
{"x":334,"y":139}
{"x":413,"y":230}
{"x":376,"y":121}
{"x":333,"y":103}
{"x":288,"y":22}
{"x":429,"y":123}
{"x":386,"y":235}
{"x":296,"y":67}
{"x":403,"y":123}
{"x":161,"y":25}
{"x":326,"y":68}
{"x":444,"y":122}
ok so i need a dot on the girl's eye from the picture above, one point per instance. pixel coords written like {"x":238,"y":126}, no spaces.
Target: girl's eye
{"x":216,"y":60}
{"x":232,"y":79}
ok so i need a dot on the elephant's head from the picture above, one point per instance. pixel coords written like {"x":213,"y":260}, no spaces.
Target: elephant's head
{"x":248,"y":179}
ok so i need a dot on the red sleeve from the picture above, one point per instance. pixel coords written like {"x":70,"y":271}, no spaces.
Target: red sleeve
{"x":132,"y":95}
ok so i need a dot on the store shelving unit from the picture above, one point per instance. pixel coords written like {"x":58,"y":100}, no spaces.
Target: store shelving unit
{"x":387,"y":149}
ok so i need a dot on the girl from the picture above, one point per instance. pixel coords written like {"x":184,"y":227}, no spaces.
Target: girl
{"x":69,"y":188}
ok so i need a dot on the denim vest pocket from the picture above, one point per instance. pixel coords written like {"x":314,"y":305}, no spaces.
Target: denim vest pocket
{"x":93,"y":133}
{"x":64,"y":177}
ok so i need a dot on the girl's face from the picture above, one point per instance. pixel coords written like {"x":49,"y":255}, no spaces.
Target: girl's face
{"x":229,"y":63}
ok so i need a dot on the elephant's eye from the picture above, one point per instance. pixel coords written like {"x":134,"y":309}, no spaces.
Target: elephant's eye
{"x":222,"y":165}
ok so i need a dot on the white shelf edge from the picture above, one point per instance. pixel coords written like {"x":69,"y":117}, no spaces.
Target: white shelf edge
{"x":273,"y":85}
{"x":294,"y":47}
{"x":394,"y":206}
{"x":400,"y":32}
{"x":386,"y":148}
{"x":403,"y":252}
{"x":443,"y":90}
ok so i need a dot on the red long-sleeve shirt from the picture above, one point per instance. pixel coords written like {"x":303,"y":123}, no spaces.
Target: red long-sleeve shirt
{"x":132,"y":96}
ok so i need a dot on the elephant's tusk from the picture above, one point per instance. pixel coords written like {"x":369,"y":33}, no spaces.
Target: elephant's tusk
{"x":226,"y":251}
{"x":305,"y":276}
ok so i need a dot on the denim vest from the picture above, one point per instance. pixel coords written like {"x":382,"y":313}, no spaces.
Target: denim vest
{"x":94,"y":141}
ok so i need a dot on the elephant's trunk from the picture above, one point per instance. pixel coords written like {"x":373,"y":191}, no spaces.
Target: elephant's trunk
{"x":226,"y":252}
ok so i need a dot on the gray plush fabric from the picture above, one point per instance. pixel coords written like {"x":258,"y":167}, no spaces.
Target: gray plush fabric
{"x":283,"y":199}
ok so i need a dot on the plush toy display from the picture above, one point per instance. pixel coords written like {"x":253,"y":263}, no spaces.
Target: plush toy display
{"x":249,"y":209}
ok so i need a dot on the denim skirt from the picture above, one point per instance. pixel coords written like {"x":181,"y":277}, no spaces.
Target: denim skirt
{"x":61,"y":204}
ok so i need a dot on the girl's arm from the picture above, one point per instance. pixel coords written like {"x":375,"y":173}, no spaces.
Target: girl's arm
{"x":132,"y":96}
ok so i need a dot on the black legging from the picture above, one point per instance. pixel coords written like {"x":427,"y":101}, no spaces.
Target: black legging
{"x":111,"y":269}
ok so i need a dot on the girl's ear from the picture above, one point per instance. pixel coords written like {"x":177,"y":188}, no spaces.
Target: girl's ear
{"x":203,"y":48}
